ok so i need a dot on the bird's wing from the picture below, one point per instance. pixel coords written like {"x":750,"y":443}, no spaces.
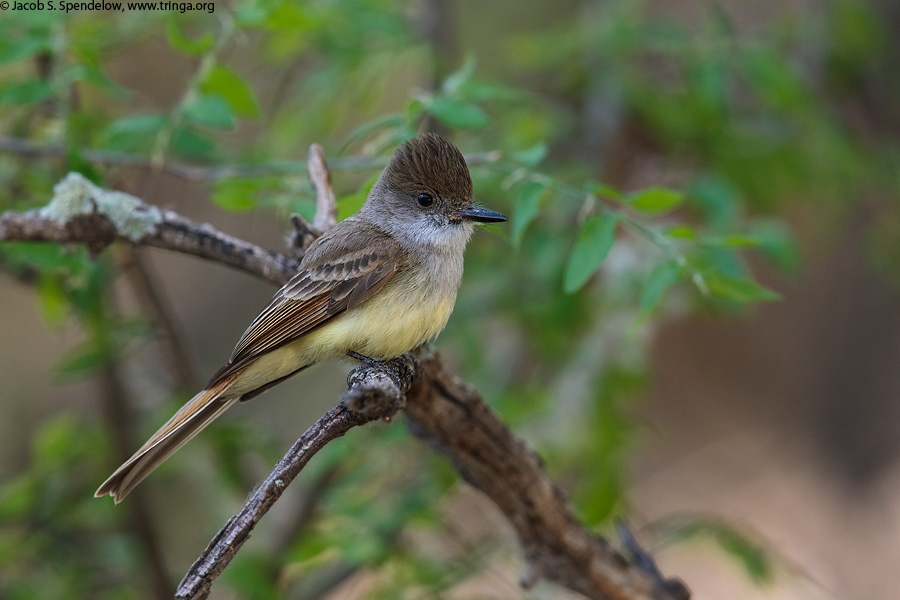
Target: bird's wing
{"x":335,"y":280}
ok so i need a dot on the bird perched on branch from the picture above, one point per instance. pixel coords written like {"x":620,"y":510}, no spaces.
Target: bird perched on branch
{"x":376,"y":285}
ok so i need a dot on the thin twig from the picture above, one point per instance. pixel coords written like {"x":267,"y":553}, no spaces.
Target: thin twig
{"x":172,"y":340}
{"x":442,"y":410}
{"x":202,"y":173}
{"x":326,"y":205}
{"x":118,"y":418}
{"x":372,"y":393}
{"x":304,"y":233}
{"x":191,"y":92}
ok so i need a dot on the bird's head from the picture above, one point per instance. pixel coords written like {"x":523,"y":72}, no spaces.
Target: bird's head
{"x":425,"y":195}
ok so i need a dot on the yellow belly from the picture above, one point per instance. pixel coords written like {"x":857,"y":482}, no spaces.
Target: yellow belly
{"x":394,"y":321}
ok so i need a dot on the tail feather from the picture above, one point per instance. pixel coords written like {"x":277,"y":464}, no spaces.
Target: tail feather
{"x":190,"y":420}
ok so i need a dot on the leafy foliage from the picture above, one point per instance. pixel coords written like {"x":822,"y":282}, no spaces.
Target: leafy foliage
{"x":545,"y":324}
{"x":760,"y":562}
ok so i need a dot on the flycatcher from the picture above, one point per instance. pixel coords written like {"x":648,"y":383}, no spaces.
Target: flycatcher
{"x":378,"y":284}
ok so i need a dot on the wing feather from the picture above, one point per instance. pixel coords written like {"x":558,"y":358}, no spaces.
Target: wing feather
{"x":333,"y":281}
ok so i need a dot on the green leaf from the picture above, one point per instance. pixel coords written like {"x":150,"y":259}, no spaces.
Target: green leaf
{"x":739,"y":290}
{"x":594,"y":242}
{"x":526,"y":208}
{"x":656,"y":200}
{"x":415,"y":110}
{"x":235,"y":195}
{"x":663,"y":275}
{"x":28,"y":92}
{"x":758,"y":561}
{"x":681,"y":232}
{"x":777,"y":244}
{"x":710,"y":81}
{"x":18,"y":496}
{"x":132,"y":133}
{"x":479,"y":91}
{"x":349,"y":204}
{"x":455,"y":80}
{"x":774,"y":79}
{"x":457,"y":113}
{"x":738,"y":240}
{"x":14,"y":51}
{"x":734,"y":240}
{"x":717,"y":198}
{"x":294,"y":18}
{"x":602,"y":190}
{"x":755,"y":559}
{"x":54,"y":303}
{"x":46,"y":257}
{"x":251,"y":574}
{"x":98,"y":78}
{"x":233,"y":89}
{"x":250,"y":14}
{"x":56,"y":438}
{"x":179,"y":41}
{"x":189,"y":142}
{"x":81,"y":361}
{"x":312,"y":548}
{"x":600,"y":497}
{"x":211,"y":111}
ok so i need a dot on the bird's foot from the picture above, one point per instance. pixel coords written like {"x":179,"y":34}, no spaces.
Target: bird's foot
{"x":401,"y":370}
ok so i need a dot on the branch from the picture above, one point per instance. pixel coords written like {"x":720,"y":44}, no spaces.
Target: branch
{"x":455,"y":421}
{"x":326,"y":206}
{"x":171,"y":337}
{"x":441,"y":410}
{"x":81,"y":212}
{"x":114,"y":400}
{"x":305,"y":234}
{"x":372,"y":395}
{"x":200,"y":173}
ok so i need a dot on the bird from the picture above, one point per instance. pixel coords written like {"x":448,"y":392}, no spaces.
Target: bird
{"x":376,"y":285}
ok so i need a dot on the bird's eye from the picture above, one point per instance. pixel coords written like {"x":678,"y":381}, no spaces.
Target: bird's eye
{"x":425,"y":200}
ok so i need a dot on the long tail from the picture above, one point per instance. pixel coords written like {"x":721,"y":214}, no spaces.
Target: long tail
{"x":184,"y":425}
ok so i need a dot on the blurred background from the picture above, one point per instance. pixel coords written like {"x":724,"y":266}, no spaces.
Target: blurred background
{"x":692,"y":316}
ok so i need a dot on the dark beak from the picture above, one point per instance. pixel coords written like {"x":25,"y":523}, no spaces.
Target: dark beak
{"x":476,"y":213}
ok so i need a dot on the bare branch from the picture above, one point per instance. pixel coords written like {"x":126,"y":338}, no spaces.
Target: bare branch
{"x":441,"y":410}
{"x":373,"y":394}
{"x":171,"y":338}
{"x":451,"y":417}
{"x":643,"y":560}
{"x":326,"y":206}
{"x":200,"y":173}
{"x":172,"y":232}
{"x":114,"y":399}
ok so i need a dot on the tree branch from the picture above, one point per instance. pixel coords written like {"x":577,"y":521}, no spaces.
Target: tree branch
{"x":372,"y":394}
{"x":305,"y":234}
{"x":456,"y":422}
{"x":178,"y":361}
{"x":326,"y":205}
{"x":117,"y":413}
{"x":170,"y":231}
{"x":441,"y":410}
{"x":201,"y":173}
